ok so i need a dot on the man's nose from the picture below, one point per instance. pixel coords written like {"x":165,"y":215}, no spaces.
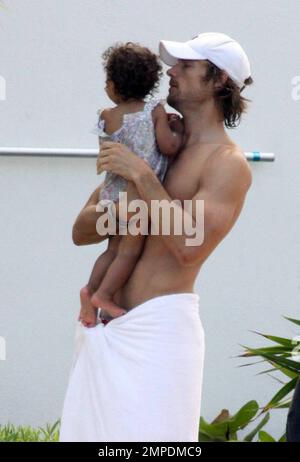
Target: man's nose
{"x":172,"y":71}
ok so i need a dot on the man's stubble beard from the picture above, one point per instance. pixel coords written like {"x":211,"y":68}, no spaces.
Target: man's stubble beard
{"x":172,"y":102}
{"x":197,"y":99}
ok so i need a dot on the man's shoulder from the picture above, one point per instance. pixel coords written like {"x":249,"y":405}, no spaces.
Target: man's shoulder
{"x":228,"y":152}
{"x":230,"y":163}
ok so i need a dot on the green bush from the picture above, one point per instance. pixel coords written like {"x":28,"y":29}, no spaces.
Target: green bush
{"x":10,"y":433}
{"x":225,"y":427}
{"x":284,"y":358}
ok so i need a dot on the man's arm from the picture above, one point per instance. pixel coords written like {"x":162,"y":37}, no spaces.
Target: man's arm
{"x":84,"y":229}
{"x":226,"y":182}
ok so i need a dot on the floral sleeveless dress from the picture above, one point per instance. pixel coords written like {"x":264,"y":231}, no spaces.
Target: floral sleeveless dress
{"x":138,"y":134}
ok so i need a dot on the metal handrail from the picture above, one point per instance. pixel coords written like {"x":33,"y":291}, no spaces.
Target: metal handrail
{"x":93,"y":153}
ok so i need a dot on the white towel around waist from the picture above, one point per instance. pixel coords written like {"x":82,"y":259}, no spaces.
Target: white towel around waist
{"x":139,"y":377}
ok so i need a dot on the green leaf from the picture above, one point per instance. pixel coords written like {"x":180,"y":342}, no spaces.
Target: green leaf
{"x":203,"y":438}
{"x":295,"y":321}
{"x":264,"y":437}
{"x":214,"y":431}
{"x":243,"y":416}
{"x":281,"y":340}
{"x":267,"y":371}
{"x":293,"y":366}
{"x":287,"y":388}
{"x":287,"y":372}
{"x":263,"y":351}
{"x":274,"y":350}
{"x":273,"y":338}
{"x":282,"y":439}
{"x":283,"y":404}
{"x":250,"y":364}
{"x":54,"y":427}
{"x":262,"y":423}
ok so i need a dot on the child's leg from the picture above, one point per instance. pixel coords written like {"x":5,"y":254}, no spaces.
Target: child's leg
{"x":130,"y":249}
{"x":103,"y":262}
{"x":88,"y":312}
{"x":122,"y":213}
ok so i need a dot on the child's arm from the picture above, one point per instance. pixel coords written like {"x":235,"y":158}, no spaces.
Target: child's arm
{"x":104,"y":114}
{"x":169,"y":142}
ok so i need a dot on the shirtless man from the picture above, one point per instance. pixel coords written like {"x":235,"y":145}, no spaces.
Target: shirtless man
{"x":206,"y":78}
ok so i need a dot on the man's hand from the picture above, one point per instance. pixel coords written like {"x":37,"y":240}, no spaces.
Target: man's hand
{"x":117,"y":158}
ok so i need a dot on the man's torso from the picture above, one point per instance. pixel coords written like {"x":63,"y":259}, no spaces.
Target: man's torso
{"x":158,"y":272}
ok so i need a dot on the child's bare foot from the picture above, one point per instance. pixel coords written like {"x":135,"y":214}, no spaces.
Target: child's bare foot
{"x":102,"y":300}
{"x":88,"y":312}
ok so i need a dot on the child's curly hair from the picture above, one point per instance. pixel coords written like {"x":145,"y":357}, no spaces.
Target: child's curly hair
{"x":134,"y":70}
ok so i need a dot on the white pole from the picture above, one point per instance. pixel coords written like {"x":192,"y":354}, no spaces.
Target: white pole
{"x":72,"y":152}
{"x":260,"y":156}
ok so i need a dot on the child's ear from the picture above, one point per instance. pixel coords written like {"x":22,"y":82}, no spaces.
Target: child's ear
{"x":113,"y":91}
{"x":109,"y":85}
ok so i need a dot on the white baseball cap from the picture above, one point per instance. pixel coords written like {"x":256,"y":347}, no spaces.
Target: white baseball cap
{"x":222,"y":50}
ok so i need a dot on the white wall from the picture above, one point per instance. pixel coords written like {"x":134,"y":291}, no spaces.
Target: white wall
{"x":50,"y":60}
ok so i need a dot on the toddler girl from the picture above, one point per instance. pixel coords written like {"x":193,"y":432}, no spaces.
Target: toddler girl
{"x":132,"y":74}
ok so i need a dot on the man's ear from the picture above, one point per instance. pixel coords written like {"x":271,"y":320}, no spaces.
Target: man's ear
{"x":221,"y":81}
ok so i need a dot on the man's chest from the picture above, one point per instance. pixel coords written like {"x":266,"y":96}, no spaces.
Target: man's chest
{"x":184,"y":176}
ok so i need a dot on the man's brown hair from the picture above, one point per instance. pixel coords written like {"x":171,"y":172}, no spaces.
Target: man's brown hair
{"x":228,"y":97}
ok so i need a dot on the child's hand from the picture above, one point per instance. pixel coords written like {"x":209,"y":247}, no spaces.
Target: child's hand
{"x":175,"y":123}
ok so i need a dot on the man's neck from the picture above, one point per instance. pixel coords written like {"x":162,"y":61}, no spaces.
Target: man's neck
{"x":204,"y":124}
